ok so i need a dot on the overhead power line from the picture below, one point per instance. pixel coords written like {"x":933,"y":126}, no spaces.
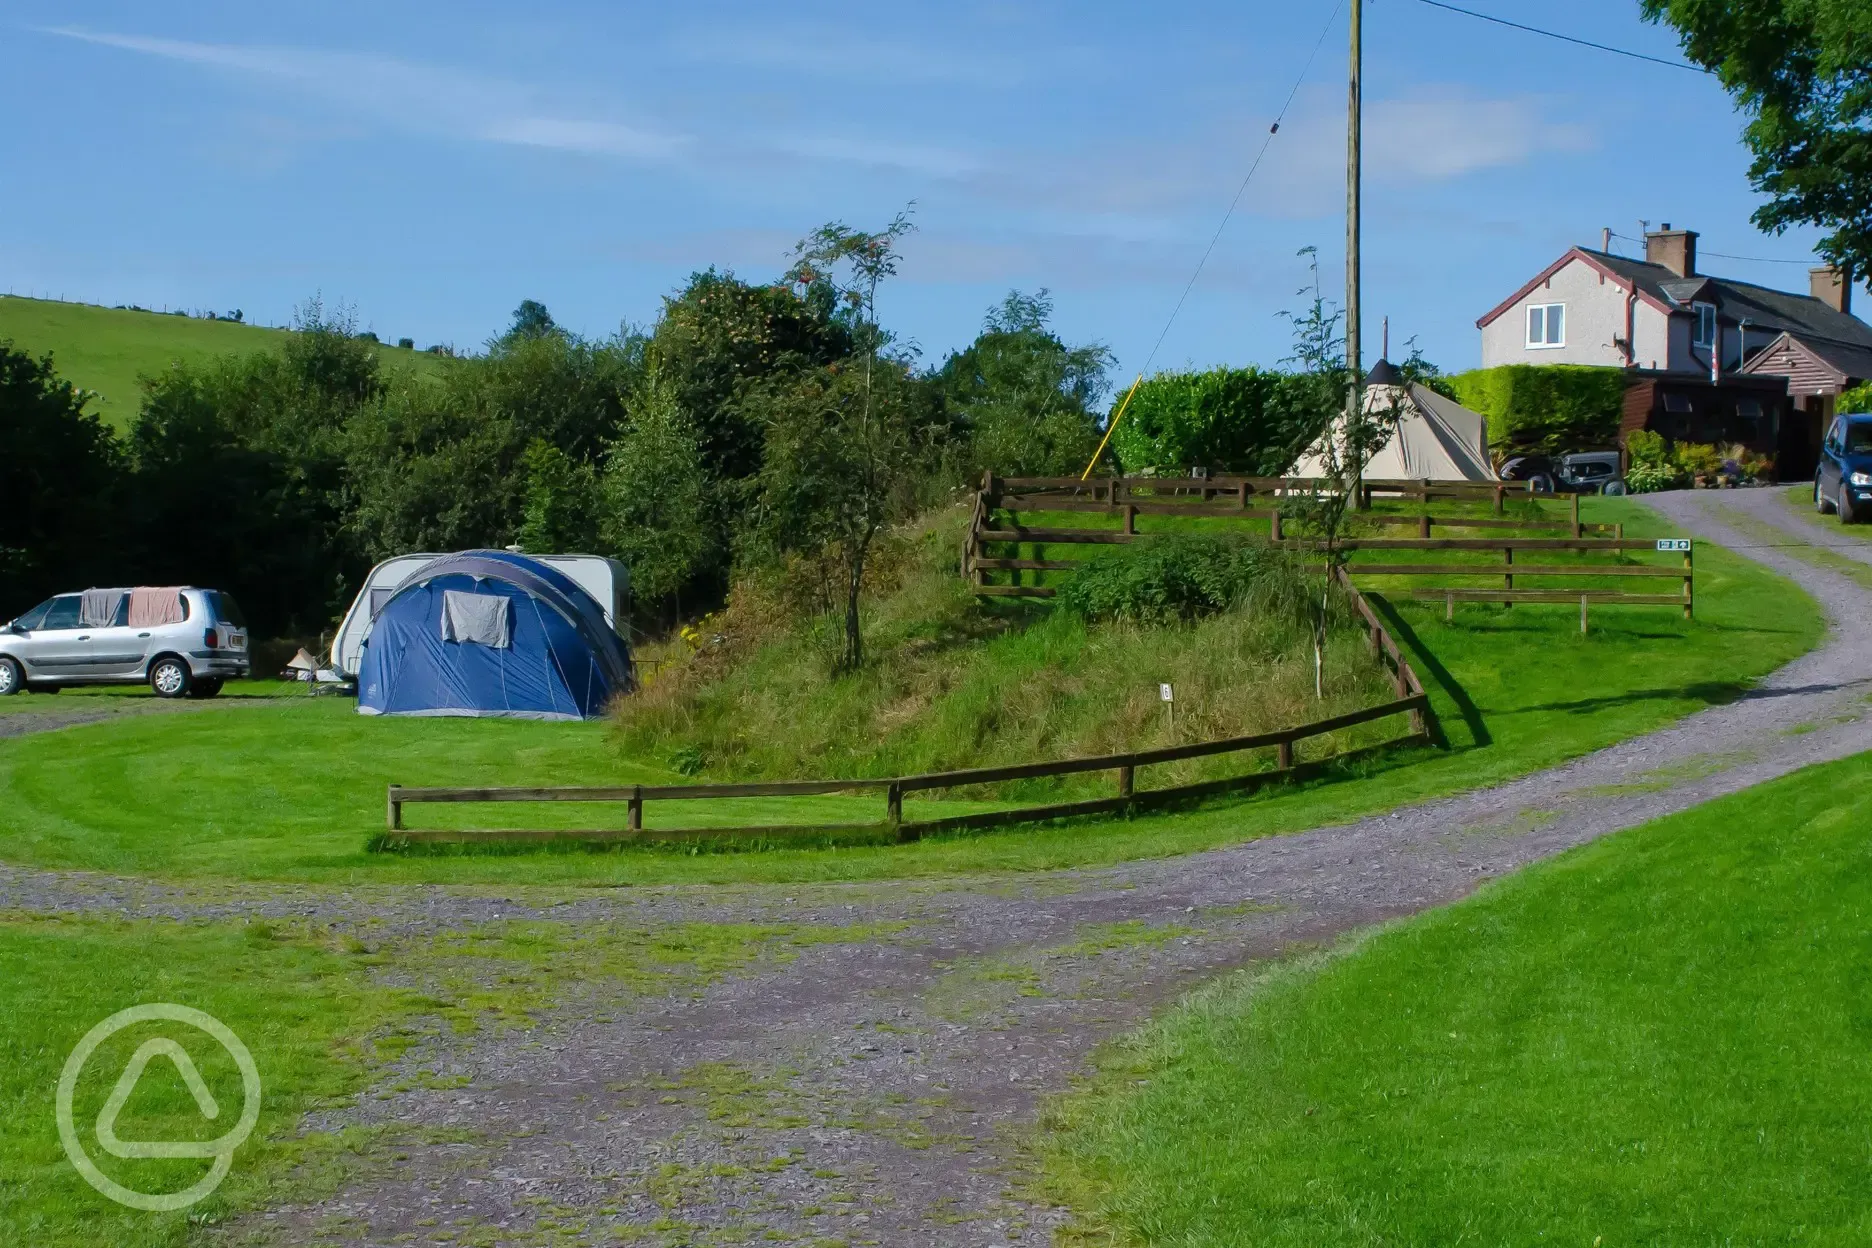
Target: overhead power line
{"x":1724,"y":255}
{"x":1246,"y":179}
{"x":1554,"y":34}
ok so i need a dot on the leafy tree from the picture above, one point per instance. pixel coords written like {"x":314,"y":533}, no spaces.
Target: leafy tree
{"x":719,"y":335}
{"x":60,"y":483}
{"x":1027,"y":401}
{"x":1802,"y":70}
{"x":238,"y":473}
{"x":653,"y":497}
{"x":1249,"y":420}
{"x":844,"y":444}
{"x":440,"y":464}
{"x":561,"y":514}
{"x":844,"y":453}
{"x":1857,"y":399}
{"x":531,"y":320}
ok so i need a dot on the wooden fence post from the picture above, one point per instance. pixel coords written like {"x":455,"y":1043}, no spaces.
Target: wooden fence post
{"x":1499,"y":490}
{"x":1508,"y":576}
{"x":1688,"y":592}
{"x":1274,"y":525}
{"x":1244,"y":494}
{"x":1130,"y":518}
{"x":1449,"y":607}
{"x":1423,"y":522}
{"x":634,"y":810}
{"x":393,"y":809}
{"x":1283,"y":756}
{"x":1576,"y":523}
{"x":893,"y":805}
{"x":1126,"y":778}
{"x":1582,"y":615}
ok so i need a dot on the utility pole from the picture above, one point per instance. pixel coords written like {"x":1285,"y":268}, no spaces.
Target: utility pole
{"x":1354,"y":116}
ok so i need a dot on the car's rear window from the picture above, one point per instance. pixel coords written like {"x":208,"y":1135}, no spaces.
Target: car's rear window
{"x":226,"y":610}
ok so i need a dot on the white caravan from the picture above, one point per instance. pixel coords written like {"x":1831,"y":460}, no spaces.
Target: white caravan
{"x":606,"y":580}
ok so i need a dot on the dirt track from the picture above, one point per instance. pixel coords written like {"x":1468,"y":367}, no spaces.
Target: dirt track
{"x":895,"y":1074}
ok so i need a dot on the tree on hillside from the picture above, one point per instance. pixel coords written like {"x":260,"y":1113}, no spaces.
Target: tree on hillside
{"x":844,"y":444}
{"x":60,"y":480}
{"x":530,"y":320}
{"x":1802,"y":70}
{"x":1028,"y":402}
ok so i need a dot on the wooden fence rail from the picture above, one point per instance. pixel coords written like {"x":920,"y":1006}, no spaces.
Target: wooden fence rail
{"x":1410,"y":700}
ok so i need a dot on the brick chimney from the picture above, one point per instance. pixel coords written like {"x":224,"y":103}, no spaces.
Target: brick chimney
{"x":1830,"y":287}
{"x":1674,"y":249}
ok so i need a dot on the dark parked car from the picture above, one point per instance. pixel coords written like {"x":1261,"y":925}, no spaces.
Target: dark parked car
{"x":1585,"y":472}
{"x":1843,"y":481}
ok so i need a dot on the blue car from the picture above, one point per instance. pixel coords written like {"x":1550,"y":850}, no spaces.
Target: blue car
{"x":1843,"y":481}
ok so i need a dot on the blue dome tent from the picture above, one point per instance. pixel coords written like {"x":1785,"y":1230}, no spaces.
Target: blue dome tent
{"x":486,"y":632}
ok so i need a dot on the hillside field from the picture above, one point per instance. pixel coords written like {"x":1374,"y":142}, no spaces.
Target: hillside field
{"x":107,"y":349}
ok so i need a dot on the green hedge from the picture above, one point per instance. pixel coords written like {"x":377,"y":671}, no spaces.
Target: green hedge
{"x":1549,"y":408}
{"x":1247,"y":420}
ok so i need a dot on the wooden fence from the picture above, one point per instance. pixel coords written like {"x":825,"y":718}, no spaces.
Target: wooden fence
{"x":1121,"y":497}
{"x":1410,"y":700}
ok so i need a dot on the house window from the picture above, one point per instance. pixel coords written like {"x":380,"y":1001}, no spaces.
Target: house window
{"x":1546,"y":325}
{"x":1705,"y":324}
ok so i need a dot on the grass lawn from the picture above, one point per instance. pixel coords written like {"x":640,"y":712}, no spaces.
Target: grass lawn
{"x":1661,"y":1038}
{"x":301,"y":1011}
{"x":309,"y":1006}
{"x":107,"y":349}
{"x":293,"y":790}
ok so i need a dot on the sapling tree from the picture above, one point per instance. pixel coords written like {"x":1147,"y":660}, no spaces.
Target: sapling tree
{"x":844,"y":442}
{"x":1353,"y":429}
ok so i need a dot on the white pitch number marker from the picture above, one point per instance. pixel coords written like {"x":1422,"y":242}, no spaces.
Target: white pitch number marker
{"x":1168,"y":697}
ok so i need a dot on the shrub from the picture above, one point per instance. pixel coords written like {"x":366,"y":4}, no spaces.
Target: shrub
{"x":1248,"y":420}
{"x":1697,"y":459}
{"x":1172,"y":578}
{"x":1650,"y":478}
{"x":1545,"y":409}
{"x":1857,"y":399}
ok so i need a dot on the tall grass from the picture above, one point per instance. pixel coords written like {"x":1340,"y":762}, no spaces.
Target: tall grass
{"x":955,"y":684}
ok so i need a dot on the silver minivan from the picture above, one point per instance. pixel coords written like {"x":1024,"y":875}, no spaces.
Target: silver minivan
{"x":184,"y":642}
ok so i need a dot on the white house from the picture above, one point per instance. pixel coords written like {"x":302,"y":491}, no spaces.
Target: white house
{"x":1675,"y":327}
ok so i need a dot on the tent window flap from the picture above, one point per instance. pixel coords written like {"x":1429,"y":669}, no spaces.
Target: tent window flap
{"x":484,"y":619}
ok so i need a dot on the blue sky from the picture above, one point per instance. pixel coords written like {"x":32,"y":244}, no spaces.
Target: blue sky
{"x":433,"y":164}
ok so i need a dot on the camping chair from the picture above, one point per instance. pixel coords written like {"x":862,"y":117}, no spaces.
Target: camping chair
{"x":318,"y":680}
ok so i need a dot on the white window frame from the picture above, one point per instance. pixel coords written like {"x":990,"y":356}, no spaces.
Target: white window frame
{"x":1546,"y":341}
{"x":1704,"y":312}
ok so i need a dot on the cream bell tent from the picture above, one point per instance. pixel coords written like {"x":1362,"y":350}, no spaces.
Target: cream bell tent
{"x":1436,"y":439}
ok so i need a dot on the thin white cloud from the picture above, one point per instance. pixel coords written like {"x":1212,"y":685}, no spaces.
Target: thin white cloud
{"x":411,"y":96}
{"x":927,"y":160}
{"x":1430,"y":136}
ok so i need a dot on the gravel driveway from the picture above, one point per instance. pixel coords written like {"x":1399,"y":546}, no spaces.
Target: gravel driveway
{"x":878,"y":1090}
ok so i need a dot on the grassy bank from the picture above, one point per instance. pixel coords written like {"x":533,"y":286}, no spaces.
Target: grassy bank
{"x":293,"y":789}
{"x":1657,"y":1039}
{"x":951,"y":683}
{"x":108,"y":349}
